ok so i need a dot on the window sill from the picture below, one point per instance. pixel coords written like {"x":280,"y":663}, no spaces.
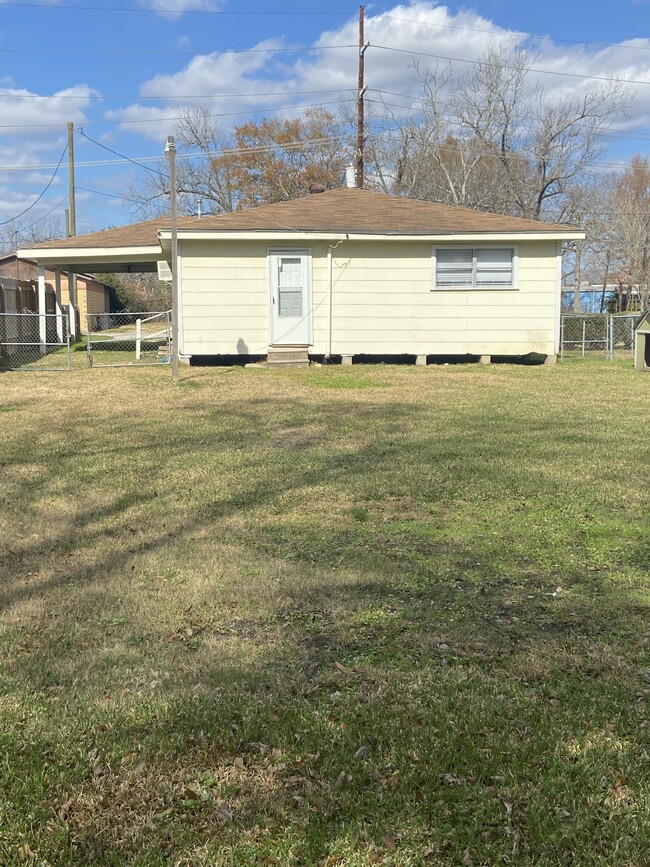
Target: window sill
{"x":475,"y":289}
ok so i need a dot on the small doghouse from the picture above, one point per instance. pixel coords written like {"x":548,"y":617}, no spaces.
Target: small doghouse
{"x":642,"y":343}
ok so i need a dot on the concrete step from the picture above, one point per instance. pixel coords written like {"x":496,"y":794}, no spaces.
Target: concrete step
{"x":288,"y":356}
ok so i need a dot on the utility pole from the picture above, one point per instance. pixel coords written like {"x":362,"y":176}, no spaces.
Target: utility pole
{"x":73,"y":208}
{"x":170,"y":153}
{"x":71,"y":228}
{"x":361,"y":90}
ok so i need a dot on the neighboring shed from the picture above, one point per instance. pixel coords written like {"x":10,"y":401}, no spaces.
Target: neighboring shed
{"x":22,"y":295}
{"x":345,"y":273}
{"x":93,"y":296}
{"x":642,"y":343}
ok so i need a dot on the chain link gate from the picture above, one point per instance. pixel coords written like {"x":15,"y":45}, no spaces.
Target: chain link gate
{"x":621,"y":334}
{"x":34,"y":341}
{"x":126,"y":339}
{"x":611,"y":335}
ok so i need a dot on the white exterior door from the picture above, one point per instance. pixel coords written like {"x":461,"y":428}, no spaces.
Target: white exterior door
{"x":290,"y":273}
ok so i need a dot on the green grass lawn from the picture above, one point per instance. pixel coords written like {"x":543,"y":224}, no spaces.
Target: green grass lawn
{"x":379,"y":615}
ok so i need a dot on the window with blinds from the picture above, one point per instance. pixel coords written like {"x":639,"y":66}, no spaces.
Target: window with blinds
{"x":479,"y":268}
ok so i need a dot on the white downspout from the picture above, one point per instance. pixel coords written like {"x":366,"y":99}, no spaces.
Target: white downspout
{"x":558,"y":299}
{"x":330,"y":293}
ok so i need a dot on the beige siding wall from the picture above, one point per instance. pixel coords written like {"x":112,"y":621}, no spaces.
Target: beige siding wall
{"x":91,"y":298}
{"x":96,"y":298}
{"x":383,"y":301}
{"x":225,"y":296}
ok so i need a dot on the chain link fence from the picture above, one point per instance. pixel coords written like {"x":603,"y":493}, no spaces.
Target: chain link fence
{"x":34,"y":341}
{"x":125,"y":339}
{"x":609,"y":335}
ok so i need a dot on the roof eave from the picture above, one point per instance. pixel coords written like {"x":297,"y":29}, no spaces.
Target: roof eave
{"x":90,"y":255}
{"x":568,"y":234}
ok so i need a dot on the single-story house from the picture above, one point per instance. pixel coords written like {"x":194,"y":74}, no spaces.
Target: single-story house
{"x":346,"y":272}
{"x":92,"y":296}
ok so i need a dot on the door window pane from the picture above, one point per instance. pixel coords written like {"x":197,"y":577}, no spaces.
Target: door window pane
{"x":289,"y":286}
{"x":289,"y":302}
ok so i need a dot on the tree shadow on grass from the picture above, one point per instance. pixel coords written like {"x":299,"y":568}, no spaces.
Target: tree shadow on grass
{"x":433,"y":651}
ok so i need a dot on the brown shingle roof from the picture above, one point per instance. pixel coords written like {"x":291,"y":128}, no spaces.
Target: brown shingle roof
{"x":342,"y":210}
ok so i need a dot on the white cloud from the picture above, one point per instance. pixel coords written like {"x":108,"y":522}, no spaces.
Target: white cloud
{"x":13,"y":202}
{"x":175,"y":8}
{"x":150,"y":121}
{"x":416,"y":29}
{"x":41,"y":179}
{"x":21,"y":185}
{"x":205,"y":77}
{"x":33,"y":114}
{"x":208,"y":74}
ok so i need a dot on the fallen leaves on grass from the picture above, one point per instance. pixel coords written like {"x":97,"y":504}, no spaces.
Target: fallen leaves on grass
{"x":453,"y":780}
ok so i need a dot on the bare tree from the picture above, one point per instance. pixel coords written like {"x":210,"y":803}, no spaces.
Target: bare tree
{"x":199,"y":139}
{"x":269,"y":161}
{"x":18,"y":233}
{"x":628,"y":225}
{"x":430,"y":155}
{"x":490,"y":138}
{"x":591,"y":259}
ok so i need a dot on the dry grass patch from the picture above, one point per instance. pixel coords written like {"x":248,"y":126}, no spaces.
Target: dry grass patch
{"x":334,"y":617}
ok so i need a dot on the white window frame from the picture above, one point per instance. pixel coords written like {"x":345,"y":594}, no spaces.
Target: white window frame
{"x":472,"y":286}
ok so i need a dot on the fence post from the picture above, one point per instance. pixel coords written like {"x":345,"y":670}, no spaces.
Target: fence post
{"x":138,"y":338}
{"x":561,"y":337}
{"x":584,"y":335}
{"x":610,"y":336}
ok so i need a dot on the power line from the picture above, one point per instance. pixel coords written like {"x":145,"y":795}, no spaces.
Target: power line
{"x":85,"y":164}
{"x":596,"y":166}
{"x":506,"y":66}
{"x":187,"y":51}
{"x":100,"y":193}
{"x":611,"y":133}
{"x":34,"y":203}
{"x":177,"y":117}
{"x":45,"y":216}
{"x":123,"y":159}
{"x":171,"y":10}
{"x":122,"y":156}
{"x":155,"y":159}
{"x":176,"y":96}
{"x":512,"y":33}
{"x":210,"y":154}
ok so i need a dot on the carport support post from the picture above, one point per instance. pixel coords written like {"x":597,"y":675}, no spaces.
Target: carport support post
{"x":59,"y":309}
{"x":72,"y":298}
{"x":170,"y":153}
{"x":42,"y":321}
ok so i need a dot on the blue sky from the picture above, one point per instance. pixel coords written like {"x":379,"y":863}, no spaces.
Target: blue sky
{"x":121,"y":69}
